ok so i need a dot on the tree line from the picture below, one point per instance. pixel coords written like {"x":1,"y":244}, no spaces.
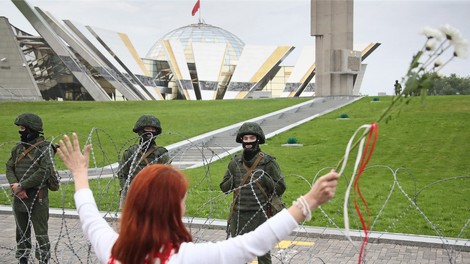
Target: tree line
{"x":450,"y":85}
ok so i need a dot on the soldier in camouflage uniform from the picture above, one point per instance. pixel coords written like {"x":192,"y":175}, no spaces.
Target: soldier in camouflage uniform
{"x":397,"y":86}
{"x":27,"y":171}
{"x":249,"y":210}
{"x":137,"y":156}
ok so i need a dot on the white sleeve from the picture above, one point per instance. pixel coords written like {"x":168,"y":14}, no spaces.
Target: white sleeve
{"x":240,"y":249}
{"x":101,"y":236}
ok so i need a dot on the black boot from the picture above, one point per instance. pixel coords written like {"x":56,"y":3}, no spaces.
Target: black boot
{"x":23,"y":260}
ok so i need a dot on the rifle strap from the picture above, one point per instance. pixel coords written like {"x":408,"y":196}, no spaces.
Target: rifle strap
{"x":149,"y":151}
{"x":27,"y":151}
{"x":263,"y":191}
{"x":245,"y":178}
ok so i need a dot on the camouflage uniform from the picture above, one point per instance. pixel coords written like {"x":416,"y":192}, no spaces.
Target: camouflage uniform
{"x":250,"y":209}
{"x":397,"y":86}
{"x":31,"y":171}
{"x":132,"y":161}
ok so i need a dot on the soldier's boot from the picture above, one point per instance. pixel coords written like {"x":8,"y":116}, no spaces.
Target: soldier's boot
{"x":23,"y":260}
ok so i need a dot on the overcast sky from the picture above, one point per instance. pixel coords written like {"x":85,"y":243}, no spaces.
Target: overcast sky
{"x":394,"y":23}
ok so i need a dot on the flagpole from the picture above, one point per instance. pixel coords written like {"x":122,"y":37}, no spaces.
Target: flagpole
{"x":196,"y":9}
{"x":200,"y":12}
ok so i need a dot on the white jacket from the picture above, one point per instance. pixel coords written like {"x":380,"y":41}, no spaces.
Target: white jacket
{"x":240,"y":249}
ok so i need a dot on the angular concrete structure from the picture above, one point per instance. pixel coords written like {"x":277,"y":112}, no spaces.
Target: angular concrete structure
{"x":95,"y":46}
{"x":336,"y":61}
{"x":66,"y":56}
{"x":120,"y":47}
{"x":209,"y":61}
{"x":112,"y":80}
{"x":179,"y":66}
{"x":16,"y":80}
{"x":304,"y":71}
{"x":194,"y":62}
{"x":256,"y":65}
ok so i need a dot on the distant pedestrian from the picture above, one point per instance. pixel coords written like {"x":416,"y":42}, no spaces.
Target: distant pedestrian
{"x":140,"y":155}
{"x":397,"y":88}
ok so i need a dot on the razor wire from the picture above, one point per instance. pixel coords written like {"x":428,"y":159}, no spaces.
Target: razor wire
{"x":68,"y":245}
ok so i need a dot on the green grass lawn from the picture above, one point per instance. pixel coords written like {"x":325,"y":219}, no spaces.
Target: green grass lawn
{"x":418,"y":180}
{"x":111,"y":123}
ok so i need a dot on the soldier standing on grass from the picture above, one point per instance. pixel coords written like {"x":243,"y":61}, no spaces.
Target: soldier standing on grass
{"x":262,"y":182}
{"x":27,"y":172}
{"x":146,"y":152}
{"x":397,"y":88}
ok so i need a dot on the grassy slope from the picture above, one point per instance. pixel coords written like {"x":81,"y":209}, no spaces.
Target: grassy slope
{"x":114,"y":120}
{"x":424,"y":144}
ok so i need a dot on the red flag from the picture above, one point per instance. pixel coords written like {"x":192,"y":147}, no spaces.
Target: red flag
{"x":195,"y":8}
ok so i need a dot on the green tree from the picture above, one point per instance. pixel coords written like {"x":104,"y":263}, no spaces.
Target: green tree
{"x":450,"y":85}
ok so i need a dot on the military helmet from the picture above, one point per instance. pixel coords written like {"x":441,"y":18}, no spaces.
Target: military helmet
{"x":147,"y":121}
{"x":250,"y":128}
{"x":29,"y":120}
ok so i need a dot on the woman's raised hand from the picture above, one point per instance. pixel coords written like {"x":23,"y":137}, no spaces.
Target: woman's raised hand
{"x":322,"y":190}
{"x":75,"y":160}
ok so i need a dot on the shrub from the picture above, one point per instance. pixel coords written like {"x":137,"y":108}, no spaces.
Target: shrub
{"x":292,"y":140}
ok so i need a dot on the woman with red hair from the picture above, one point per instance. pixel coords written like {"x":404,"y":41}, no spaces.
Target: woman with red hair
{"x":152,"y":230}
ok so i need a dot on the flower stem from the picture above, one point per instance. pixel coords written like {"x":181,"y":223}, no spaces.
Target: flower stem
{"x":382,"y":116}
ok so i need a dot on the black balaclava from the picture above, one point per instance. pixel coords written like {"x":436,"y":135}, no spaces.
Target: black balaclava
{"x":249,"y":153}
{"x":147,"y":137}
{"x":28,"y":135}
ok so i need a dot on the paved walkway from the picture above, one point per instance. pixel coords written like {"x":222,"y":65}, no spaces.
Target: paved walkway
{"x":307,"y":245}
{"x":214,"y":145}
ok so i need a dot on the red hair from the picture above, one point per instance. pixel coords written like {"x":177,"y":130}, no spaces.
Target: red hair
{"x":152,"y":215}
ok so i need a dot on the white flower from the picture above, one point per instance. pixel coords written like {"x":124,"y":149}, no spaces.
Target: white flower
{"x":430,"y":45}
{"x":451,"y":33}
{"x":461,"y":48}
{"x":437,"y":63}
{"x":432,"y":33}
